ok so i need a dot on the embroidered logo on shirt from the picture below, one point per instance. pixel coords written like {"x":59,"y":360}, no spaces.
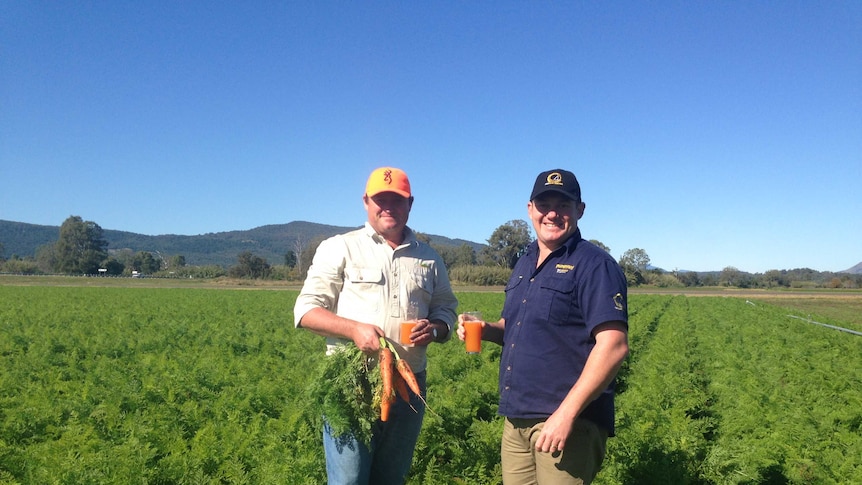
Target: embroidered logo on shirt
{"x":618,"y":301}
{"x":564,"y":268}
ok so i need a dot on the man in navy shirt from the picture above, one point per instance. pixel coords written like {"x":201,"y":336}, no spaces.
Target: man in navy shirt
{"x":564,"y":335}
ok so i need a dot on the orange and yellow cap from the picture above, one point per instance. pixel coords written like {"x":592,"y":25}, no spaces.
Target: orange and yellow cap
{"x":388,"y":179}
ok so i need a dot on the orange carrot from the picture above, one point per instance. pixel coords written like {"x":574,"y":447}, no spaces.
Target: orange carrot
{"x":404,"y":375}
{"x":407,"y":373}
{"x":401,"y":388}
{"x":386,"y":378}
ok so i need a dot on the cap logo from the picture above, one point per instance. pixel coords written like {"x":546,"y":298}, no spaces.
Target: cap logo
{"x":555,"y":179}
{"x":387,"y":177}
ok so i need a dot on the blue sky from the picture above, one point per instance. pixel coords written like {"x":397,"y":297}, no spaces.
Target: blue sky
{"x":709,"y":134}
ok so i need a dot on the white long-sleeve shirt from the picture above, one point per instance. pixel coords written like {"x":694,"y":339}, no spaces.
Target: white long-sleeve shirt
{"x":357,"y":275}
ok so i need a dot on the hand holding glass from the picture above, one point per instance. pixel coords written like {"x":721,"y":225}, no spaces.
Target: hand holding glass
{"x":472,"y":323}
{"x":410,"y":320}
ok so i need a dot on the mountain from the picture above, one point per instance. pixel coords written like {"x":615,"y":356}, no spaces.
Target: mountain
{"x":854,"y":270}
{"x":270,"y":242}
{"x":21,"y":239}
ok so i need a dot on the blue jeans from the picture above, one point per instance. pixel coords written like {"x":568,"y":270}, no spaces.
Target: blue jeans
{"x":387,"y":460}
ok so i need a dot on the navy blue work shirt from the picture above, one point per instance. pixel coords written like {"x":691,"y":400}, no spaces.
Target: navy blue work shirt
{"x":550,"y":313}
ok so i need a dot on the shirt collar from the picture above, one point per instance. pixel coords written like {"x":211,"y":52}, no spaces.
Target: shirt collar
{"x":409,"y":236}
{"x":573,"y":241}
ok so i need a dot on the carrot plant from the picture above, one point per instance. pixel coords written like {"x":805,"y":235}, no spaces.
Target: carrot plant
{"x":731,"y":391}
{"x":344,"y":389}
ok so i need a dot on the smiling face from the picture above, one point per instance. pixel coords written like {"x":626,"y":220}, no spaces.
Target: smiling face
{"x":555,"y":218}
{"x":388,"y":213}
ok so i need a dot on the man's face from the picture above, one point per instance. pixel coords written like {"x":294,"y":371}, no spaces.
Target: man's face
{"x":555,"y":218}
{"x":388,"y":213}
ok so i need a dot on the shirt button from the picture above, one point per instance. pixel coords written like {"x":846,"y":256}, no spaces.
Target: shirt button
{"x":509,"y":367}
{"x":524,"y":300}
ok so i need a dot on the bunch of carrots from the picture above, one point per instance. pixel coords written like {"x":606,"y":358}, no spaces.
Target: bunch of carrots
{"x":353,"y":393}
{"x":396,"y":377}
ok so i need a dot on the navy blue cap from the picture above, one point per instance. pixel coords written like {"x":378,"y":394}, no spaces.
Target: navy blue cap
{"x":557,"y":180}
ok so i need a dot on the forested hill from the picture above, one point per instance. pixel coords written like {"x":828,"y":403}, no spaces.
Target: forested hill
{"x":270,"y":242}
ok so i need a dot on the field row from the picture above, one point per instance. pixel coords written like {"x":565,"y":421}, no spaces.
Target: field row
{"x":732,"y":391}
{"x":189,"y":385}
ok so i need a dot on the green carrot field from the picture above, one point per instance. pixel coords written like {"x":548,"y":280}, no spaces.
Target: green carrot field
{"x":198,"y":385}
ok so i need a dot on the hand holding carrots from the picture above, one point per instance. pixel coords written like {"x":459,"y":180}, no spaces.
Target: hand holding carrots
{"x":367,"y":337}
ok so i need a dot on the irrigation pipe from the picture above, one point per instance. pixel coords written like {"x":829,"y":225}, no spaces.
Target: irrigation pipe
{"x":809,"y":320}
{"x":854,"y":332}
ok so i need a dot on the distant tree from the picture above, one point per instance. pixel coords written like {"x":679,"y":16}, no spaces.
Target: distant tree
{"x":125,"y":256}
{"x":774,"y":278}
{"x":1,"y":253}
{"x":709,"y":279}
{"x":636,"y":257}
{"x":507,"y":244}
{"x":176,"y":261}
{"x":145,"y":262}
{"x":298,"y":247}
{"x":307,"y":255}
{"x":601,"y":245}
{"x":113,"y":266}
{"x":447,"y":253}
{"x":249,"y":266}
{"x":465,"y":255}
{"x":462,"y":255}
{"x":730,"y":276}
{"x":290,"y":259}
{"x":46,"y":257}
{"x":689,"y":278}
{"x":81,"y":247}
{"x":634,"y":263}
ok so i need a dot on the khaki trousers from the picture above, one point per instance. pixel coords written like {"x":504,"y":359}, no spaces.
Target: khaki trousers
{"x":577,"y":464}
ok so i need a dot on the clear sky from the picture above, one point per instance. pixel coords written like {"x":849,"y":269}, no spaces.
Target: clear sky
{"x":708,"y":133}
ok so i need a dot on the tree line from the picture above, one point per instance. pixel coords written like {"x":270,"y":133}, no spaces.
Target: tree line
{"x":81,"y":249}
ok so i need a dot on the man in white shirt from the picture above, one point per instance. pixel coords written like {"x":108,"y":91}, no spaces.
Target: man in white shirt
{"x":359,"y":287}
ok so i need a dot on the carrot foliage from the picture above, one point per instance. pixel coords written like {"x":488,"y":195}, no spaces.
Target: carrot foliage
{"x":346,"y":389}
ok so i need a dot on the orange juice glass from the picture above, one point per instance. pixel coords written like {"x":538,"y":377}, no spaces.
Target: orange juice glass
{"x":472,"y":323}
{"x":406,"y":330}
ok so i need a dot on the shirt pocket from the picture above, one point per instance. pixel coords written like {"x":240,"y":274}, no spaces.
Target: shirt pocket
{"x":362,"y":294}
{"x":561,"y":298}
{"x":513,"y":283}
{"x":363,"y":276}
